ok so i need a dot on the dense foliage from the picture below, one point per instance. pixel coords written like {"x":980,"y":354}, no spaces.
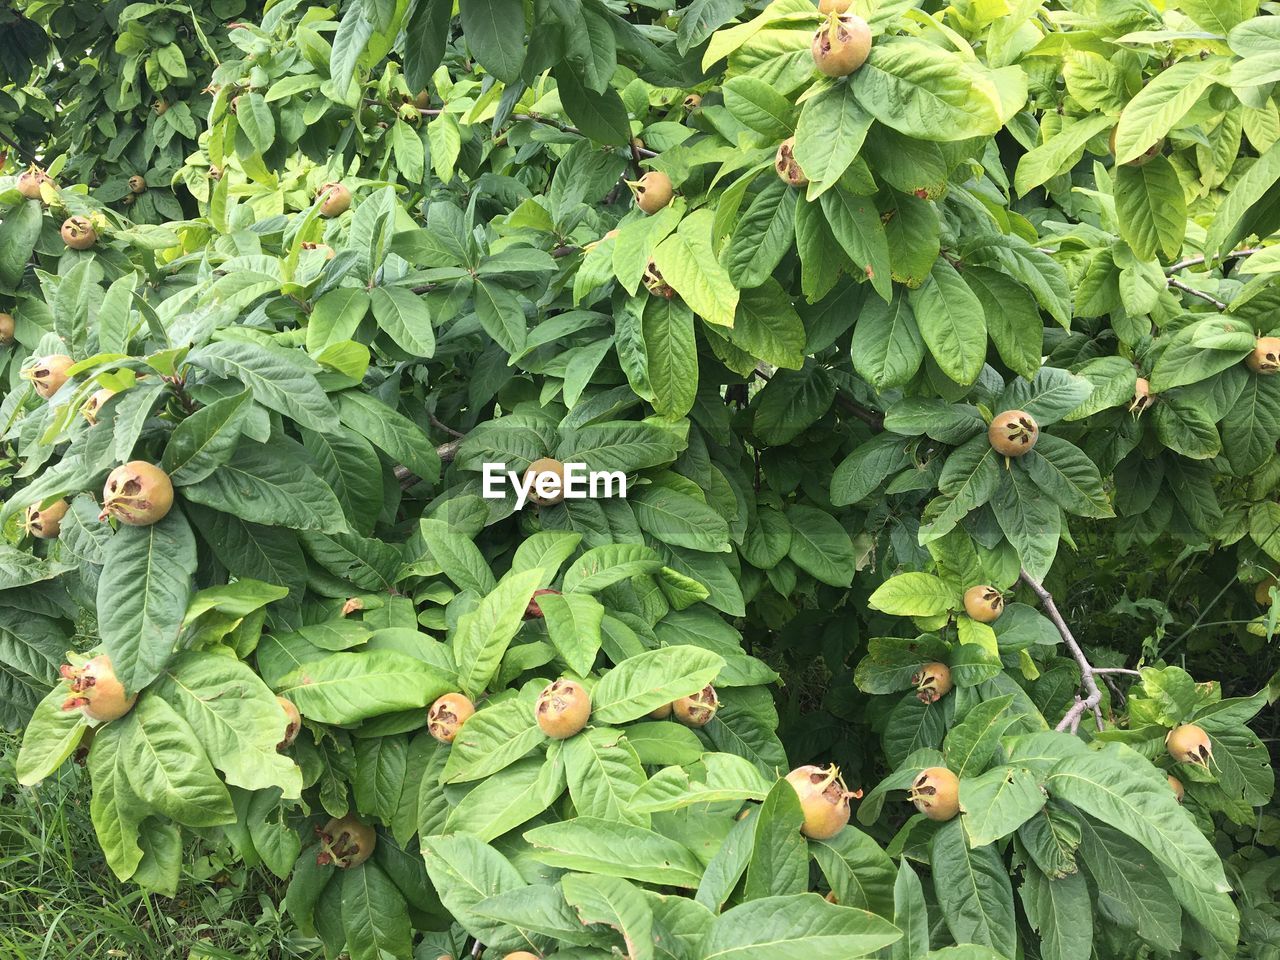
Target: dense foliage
{"x":946,"y":394}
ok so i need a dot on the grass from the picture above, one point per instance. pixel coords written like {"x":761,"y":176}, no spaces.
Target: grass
{"x":59,"y":901}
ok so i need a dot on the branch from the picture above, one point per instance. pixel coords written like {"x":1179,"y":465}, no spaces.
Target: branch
{"x":1196,"y":261}
{"x":1178,"y":284}
{"x":22,"y":151}
{"x":446,"y":452}
{"x":1093,"y":695}
{"x":872,"y":418}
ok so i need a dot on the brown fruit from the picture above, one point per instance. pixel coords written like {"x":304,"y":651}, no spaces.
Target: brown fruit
{"x":637,"y":144}
{"x":345,"y":842}
{"x":936,"y":793}
{"x":983,"y":603}
{"x":933,"y":682}
{"x":292,"y":724}
{"x":824,"y":799}
{"x":692,"y":102}
{"x":563,"y":709}
{"x":654,"y":283}
{"x":662,"y":713}
{"x":1142,"y":396}
{"x":1265,"y":358}
{"x":78,"y":233}
{"x":548,"y":474}
{"x":137,"y":184}
{"x":95,"y":690}
{"x":447,"y":715}
{"x":45,"y":524}
{"x":1013,"y":433}
{"x":653,"y":191}
{"x":215,"y":172}
{"x":1189,"y":744}
{"x":1262,"y":592}
{"x":6,"y":329}
{"x":841,"y":45}
{"x":322,"y":248}
{"x":1176,"y":786}
{"x":137,"y":494}
{"x":786,"y":165}
{"x":533,"y":611}
{"x":521,"y":955}
{"x":29,"y":183}
{"x":161,"y":107}
{"x":48,"y":373}
{"x":697,"y":710}
{"x":336,"y":200}
{"x":93,"y":405}
{"x":834,"y":6}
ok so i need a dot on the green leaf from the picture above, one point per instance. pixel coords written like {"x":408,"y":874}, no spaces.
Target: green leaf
{"x":600,"y":116}
{"x":914,"y":595}
{"x":604,"y":774}
{"x":117,"y":812}
{"x":973,"y":890}
{"x":494,"y":30}
{"x":820,"y":546}
{"x":51,"y":735}
{"x":1062,"y":470}
{"x":998,"y":802}
{"x":508,"y":798}
{"x":757,"y":105}
{"x":374,"y":915}
{"x":802,"y":926}
{"x":205,"y":440}
{"x":614,"y":849}
{"x":466,"y":871}
{"x":687,"y":261}
{"x":887,"y":348}
{"x":829,"y":135}
{"x":405,"y":318}
{"x":641,"y":684}
{"x":1160,"y":105}
{"x":389,"y":431}
{"x":1047,"y":160}
{"x":855,"y":223}
{"x":1150,"y":208}
{"x":763,"y":235}
{"x":281,"y":380}
{"x":952,"y":323}
{"x":169,"y":770}
{"x":493,"y":738}
{"x":616,"y":903}
{"x":347,"y":687}
{"x":482,"y":635}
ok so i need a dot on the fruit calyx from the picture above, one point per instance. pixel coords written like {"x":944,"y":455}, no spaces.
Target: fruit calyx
{"x":1265,"y":358}
{"x":1143,"y":398}
{"x":841,"y":45}
{"x":137,"y":493}
{"x":824,"y":799}
{"x":563,"y":709}
{"x":936,"y":793}
{"x":1188,"y":743}
{"x":292,"y":724}
{"x":1013,"y":433}
{"x":692,"y":102}
{"x":654,"y":283}
{"x":446,"y":716}
{"x":786,"y":165}
{"x":95,"y":690}
{"x":698,"y":709}
{"x":932,"y":682}
{"x":30,"y":182}
{"x":47,"y":523}
{"x":983,"y":603}
{"x":653,"y":191}
{"x":335,"y":199}
{"x":48,"y":374}
{"x":345,"y":842}
{"x":93,"y":406}
{"x":78,"y":233}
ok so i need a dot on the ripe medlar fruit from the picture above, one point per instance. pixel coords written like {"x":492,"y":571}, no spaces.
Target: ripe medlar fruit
{"x":93,"y":405}
{"x":562,"y":709}
{"x":161,"y":107}
{"x":932,"y":682}
{"x":698,"y":709}
{"x":1262,"y":592}
{"x":7,"y":329}
{"x":48,"y":374}
{"x":78,"y":233}
{"x":834,"y":6}
{"x":345,"y":842}
{"x":1189,"y":744}
{"x":1265,"y":358}
{"x":1013,"y":433}
{"x":521,"y":955}
{"x":1176,"y":786}
{"x":95,"y":690}
{"x":137,"y":184}
{"x":335,"y":199}
{"x":533,"y":611}
{"x":654,"y":283}
{"x":692,"y":102}
{"x":30,"y":182}
{"x":45,"y":524}
{"x":292,"y":724}
{"x":1142,"y":396}
{"x":824,"y":798}
{"x":137,"y":493}
{"x":983,"y":603}
{"x":447,"y":715}
{"x":786,"y":165}
{"x":936,"y":793}
{"x":653,"y":191}
{"x":841,"y":45}
{"x":547,"y":475}
{"x":321,"y":248}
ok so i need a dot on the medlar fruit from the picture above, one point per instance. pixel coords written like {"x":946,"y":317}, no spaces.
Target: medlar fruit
{"x":692,"y":102}
{"x":1265,"y":358}
{"x":698,"y":709}
{"x":335,"y":199}
{"x":1142,"y":396}
{"x":47,"y":523}
{"x":653,"y":191}
{"x":446,"y":716}
{"x":786,"y":165}
{"x":547,"y":477}
{"x":1189,"y":744}
{"x":936,"y":793}
{"x":345,"y":842}
{"x":654,"y":283}
{"x":161,"y":107}
{"x":983,"y":603}
{"x":7,"y":329}
{"x":1013,"y":433}
{"x":533,"y":611}
{"x":841,"y":45}
{"x":1176,"y":786}
{"x":48,"y":374}
{"x":292,"y":724}
{"x":932,"y":682}
{"x":562,"y":709}
{"x":834,"y":6}
{"x":1262,"y":592}
{"x":137,"y":493}
{"x":78,"y":233}
{"x":93,"y":405}
{"x":824,"y":798}
{"x":423,"y":100}
{"x":321,"y":248}
{"x":30,"y":182}
{"x":661,"y":713}
{"x":95,"y":690}
{"x":137,"y":184}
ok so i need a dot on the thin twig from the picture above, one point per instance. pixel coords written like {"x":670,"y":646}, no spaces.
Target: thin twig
{"x":1125,"y":670}
{"x":447,"y":429}
{"x":1196,"y":261}
{"x":1093,"y":695}
{"x":1178,"y":284}
{"x":22,"y":151}
{"x":872,"y":418}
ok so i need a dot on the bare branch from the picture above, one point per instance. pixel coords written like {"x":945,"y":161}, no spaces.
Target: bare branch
{"x":1179,"y":285}
{"x":1093,"y":695}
